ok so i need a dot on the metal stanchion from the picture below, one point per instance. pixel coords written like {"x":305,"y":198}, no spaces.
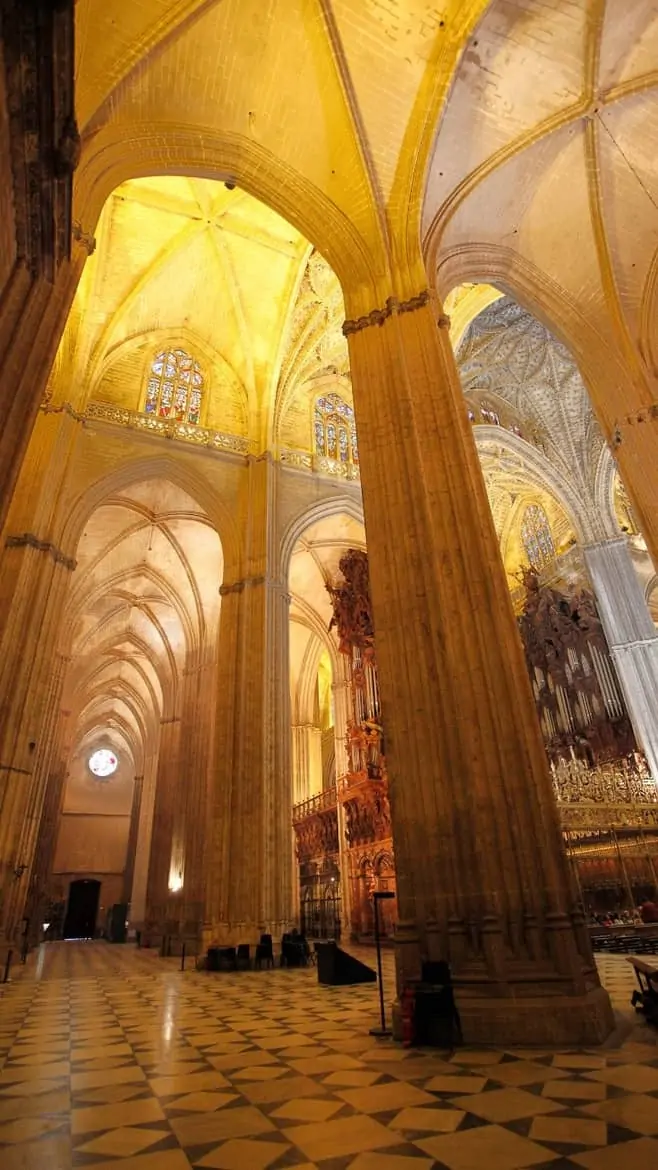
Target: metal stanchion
{"x":379,"y":896}
{"x":182,"y":958}
{"x":7,"y":967}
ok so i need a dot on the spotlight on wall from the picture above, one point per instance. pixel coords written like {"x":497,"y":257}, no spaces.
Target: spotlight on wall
{"x":175,"y":882}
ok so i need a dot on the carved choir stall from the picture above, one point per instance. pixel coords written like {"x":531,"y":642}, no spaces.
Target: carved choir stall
{"x":315,"y":824}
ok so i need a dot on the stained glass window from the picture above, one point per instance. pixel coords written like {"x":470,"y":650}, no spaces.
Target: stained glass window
{"x":335,"y":429}
{"x":536,"y":537}
{"x":175,"y":386}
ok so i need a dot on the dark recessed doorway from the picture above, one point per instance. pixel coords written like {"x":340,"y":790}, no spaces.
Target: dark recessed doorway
{"x":82,"y":909}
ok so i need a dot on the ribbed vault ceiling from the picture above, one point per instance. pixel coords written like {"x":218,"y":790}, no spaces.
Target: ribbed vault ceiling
{"x":144,"y":605}
{"x":546,"y":153}
{"x":521,"y":126}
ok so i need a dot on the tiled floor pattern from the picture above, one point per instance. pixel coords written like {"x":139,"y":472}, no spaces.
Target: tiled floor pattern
{"x":114,"y":1058}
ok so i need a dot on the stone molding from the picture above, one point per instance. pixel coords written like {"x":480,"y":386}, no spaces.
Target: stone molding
{"x":254,"y":582}
{"x":320,"y":464}
{"x":645,"y":414}
{"x":169,"y":428}
{"x":29,"y":540}
{"x":392,"y":307}
{"x":199,"y":436}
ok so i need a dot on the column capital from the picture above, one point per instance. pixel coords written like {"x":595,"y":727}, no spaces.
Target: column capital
{"x":392,"y":307}
{"x":47,"y":407}
{"x":87,"y":240}
{"x":648,"y":413}
{"x":29,"y":540}
{"x":255,"y":582}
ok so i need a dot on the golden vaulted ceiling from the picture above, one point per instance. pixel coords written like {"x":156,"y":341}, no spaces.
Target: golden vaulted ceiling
{"x":515,"y":136}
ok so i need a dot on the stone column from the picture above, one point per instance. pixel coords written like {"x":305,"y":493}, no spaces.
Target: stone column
{"x":34,"y":580}
{"x":33,"y":313}
{"x":307,"y":761}
{"x":482,"y":876}
{"x":163,"y":865}
{"x":635,"y":447}
{"x":632,"y":637}
{"x":192,"y":808}
{"x":251,"y":884}
{"x":129,"y":871}
{"x":143,"y":845}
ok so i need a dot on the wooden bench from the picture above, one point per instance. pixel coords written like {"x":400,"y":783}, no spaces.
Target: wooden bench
{"x":646,"y":999}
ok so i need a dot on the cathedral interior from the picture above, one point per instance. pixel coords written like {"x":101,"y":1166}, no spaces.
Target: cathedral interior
{"x":329,"y":624}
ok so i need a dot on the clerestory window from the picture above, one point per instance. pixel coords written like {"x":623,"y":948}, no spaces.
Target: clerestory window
{"x":175,"y":387}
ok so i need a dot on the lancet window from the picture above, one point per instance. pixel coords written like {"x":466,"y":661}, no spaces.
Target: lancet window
{"x":536,"y":537}
{"x":175,"y":387}
{"x":335,"y":429}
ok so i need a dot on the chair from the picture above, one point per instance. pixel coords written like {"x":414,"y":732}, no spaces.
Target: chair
{"x":227,"y":959}
{"x":293,"y":951}
{"x":264,"y":952}
{"x":243,"y":957}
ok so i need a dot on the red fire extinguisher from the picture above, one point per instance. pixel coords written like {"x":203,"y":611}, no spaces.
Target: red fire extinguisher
{"x":408,"y":1011}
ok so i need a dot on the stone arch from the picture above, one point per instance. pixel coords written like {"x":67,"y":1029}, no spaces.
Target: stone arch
{"x":350,"y":505}
{"x":604,"y":491}
{"x":310,"y":620}
{"x":540,"y":473}
{"x":307,"y":682}
{"x":648,"y":311}
{"x":176,"y":149}
{"x":158,"y":467}
{"x":600,"y":365}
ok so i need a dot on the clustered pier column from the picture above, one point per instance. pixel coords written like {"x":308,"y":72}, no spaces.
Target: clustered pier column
{"x":250,"y":859}
{"x":482,"y":876}
{"x":632,"y":637}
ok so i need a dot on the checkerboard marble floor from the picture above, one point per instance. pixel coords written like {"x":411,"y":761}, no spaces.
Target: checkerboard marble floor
{"x":114,"y":1058}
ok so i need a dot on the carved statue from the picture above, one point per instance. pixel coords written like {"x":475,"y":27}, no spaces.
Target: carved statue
{"x":352,"y":615}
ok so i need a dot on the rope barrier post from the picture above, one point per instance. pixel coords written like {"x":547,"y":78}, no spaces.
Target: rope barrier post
{"x":182,"y":958}
{"x":7,"y":967}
